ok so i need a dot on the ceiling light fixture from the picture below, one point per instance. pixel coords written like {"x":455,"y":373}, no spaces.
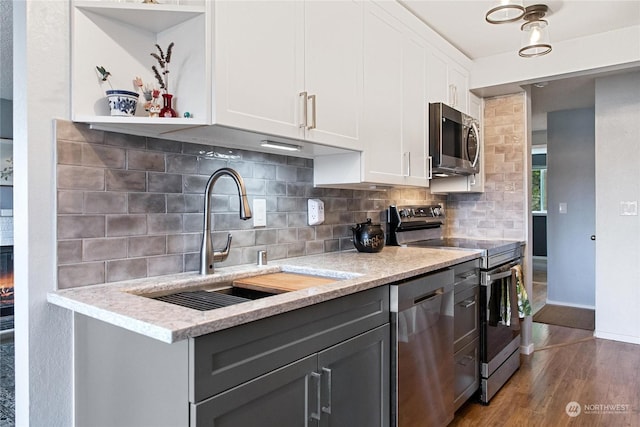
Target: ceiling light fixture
{"x":280,"y":145}
{"x":535,"y":35}
{"x":505,"y":11}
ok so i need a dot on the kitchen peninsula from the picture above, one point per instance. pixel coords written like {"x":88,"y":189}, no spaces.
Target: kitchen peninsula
{"x":142,"y":361}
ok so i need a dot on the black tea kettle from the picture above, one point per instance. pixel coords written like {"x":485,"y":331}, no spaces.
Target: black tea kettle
{"x":368,"y":237}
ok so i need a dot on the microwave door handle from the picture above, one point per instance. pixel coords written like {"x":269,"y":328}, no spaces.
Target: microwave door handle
{"x":476,"y":131}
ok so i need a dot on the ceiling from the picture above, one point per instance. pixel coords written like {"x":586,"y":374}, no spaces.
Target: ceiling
{"x":462,"y":22}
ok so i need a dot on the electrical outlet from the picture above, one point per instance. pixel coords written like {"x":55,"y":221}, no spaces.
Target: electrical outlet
{"x":259,"y":213}
{"x":315,"y":211}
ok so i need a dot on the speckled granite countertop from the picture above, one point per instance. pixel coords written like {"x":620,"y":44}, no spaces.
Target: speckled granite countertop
{"x":126,"y":304}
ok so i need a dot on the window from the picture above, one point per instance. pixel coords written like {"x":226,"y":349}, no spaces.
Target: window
{"x":539,"y":190}
{"x":539,"y":183}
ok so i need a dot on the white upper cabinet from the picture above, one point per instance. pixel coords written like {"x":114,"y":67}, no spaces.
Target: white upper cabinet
{"x":395,"y":110}
{"x":448,"y":81}
{"x":259,"y":66}
{"x":291,"y":69}
{"x":333,"y":72}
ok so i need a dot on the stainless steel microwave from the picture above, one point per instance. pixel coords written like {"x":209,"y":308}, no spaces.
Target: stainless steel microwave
{"x":454,"y":141}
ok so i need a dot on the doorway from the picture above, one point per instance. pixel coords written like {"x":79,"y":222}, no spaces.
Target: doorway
{"x":563,"y":195}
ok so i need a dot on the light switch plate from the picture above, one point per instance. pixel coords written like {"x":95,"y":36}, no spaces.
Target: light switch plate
{"x":562,"y":208}
{"x":259,"y":213}
{"x":629,"y":208}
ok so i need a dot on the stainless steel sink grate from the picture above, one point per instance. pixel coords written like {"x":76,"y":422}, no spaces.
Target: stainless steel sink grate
{"x":202,"y":300}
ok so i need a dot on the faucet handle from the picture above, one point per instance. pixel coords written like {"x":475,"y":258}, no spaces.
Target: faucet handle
{"x":222,"y":255}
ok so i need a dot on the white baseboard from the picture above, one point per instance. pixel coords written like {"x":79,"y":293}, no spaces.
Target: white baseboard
{"x":617,"y":337}
{"x":526,"y":349}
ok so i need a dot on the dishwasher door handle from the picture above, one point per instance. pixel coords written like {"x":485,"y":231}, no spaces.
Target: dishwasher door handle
{"x":429,"y":296}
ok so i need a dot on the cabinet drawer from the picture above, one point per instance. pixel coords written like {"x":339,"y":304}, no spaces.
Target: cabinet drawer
{"x":465,"y":317}
{"x":224,"y":359}
{"x":466,"y":275}
{"x":467,"y":373}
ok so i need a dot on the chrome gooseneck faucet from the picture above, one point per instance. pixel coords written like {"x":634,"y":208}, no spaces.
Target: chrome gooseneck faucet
{"x":207,"y":255}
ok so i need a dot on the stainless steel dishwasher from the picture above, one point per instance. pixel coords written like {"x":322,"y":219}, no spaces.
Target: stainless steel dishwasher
{"x":422,"y":350}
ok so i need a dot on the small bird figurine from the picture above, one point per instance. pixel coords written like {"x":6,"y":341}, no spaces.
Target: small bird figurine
{"x":103,"y":73}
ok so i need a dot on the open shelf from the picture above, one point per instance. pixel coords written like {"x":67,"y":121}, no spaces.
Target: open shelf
{"x":150,"y":17}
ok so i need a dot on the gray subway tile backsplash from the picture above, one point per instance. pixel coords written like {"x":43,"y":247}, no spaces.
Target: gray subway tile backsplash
{"x":131,"y":207}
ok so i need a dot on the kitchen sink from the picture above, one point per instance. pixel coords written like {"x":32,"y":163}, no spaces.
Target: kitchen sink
{"x":211,"y":299}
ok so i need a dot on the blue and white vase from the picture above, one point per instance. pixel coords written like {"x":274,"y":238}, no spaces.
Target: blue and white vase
{"x":122,"y":102}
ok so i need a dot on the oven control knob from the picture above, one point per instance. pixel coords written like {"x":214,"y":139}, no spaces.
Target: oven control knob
{"x":437,"y":211}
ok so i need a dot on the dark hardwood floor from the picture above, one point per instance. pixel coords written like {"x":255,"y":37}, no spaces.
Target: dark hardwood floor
{"x":568,"y":365}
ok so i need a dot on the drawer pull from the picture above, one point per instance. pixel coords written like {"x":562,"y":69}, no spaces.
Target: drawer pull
{"x":467,"y":303}
{"x":466,"y":360}
{"x":318,"y":378}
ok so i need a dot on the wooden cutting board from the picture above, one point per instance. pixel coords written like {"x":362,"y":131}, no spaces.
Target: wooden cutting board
{"x":278,"y":283}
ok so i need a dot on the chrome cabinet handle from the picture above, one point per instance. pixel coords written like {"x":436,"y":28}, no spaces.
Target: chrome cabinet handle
{"x":304,"y":109}
{"x":318,"y":378}
{"x":467,"y":303}
{"x":407,"y":160}
{"x":430,"y":166}
{"x":326,"y":373}
{"x":313,"y":112}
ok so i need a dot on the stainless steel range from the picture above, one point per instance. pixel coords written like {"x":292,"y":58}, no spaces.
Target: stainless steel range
{"x":422,"y":226}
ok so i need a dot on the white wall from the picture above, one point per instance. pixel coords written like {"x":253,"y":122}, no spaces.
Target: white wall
{"x":43,"y":332}
{"x":571,"y":180}
{"x":617,"y":179}
{"x":614,"y":49}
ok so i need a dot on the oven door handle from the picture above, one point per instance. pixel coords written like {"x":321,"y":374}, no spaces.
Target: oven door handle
{"x":498,"y":276}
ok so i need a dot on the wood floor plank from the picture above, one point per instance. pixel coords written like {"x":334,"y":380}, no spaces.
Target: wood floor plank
{"x":574,"y":367}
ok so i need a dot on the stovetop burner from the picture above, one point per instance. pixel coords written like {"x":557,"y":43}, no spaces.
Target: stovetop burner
{"x":488,"y":247}
{"x":422,"y":226}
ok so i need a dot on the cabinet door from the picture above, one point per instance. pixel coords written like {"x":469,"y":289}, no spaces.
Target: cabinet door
{"x":382,"y":130}
{"x":333,"y":71}
{"x":437,"y":88}
{"x":284,"y":398}
{"x":415,"y":110}
{"x":259,"y":65}
{"x":448,"y":82}
{"x":458,"y":87}
{"x":355,"y":381}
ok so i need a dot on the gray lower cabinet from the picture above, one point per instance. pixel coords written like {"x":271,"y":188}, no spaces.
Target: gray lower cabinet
{"x":323,"y":365}
{"x":466,"y":331}
{"x":344,"y":385}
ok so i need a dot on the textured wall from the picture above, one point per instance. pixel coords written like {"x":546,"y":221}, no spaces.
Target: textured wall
{"x":617,"y":180}
{"x":499,"y":212}
{"x":131,"y":207}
